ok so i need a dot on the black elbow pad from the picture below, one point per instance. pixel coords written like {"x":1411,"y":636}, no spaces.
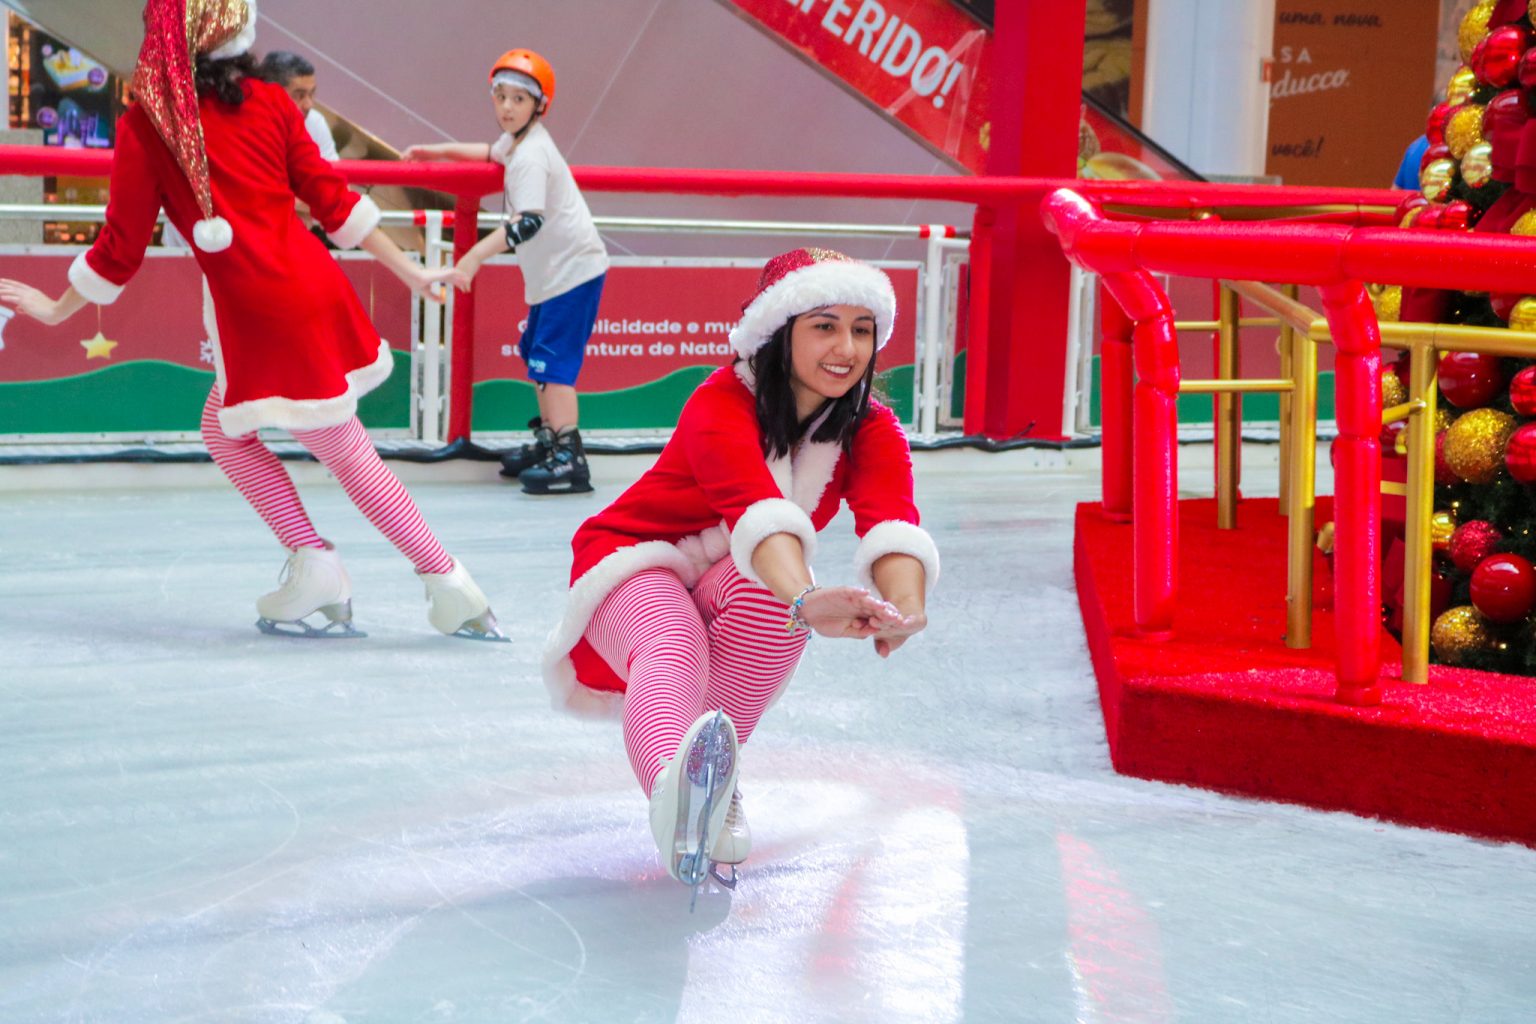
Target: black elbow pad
{"x":525,"y":227}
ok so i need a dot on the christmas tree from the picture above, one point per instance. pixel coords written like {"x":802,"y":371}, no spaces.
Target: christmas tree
{"x":1472,"y":178}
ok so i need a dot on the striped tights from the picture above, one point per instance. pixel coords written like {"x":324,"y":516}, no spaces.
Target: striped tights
{"x":344,"y":450}
{"x":721,"y":647}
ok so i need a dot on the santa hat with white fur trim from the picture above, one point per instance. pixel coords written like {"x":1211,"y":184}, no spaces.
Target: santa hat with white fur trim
{"x":178,"y":33}
{"x":801,"y":280}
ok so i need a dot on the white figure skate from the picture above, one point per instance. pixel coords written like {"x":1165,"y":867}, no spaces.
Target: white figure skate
{"x":457,"y":607}
{"x":733,"y":845}
{"x":689,"y":801}
{"x":313,"y":580}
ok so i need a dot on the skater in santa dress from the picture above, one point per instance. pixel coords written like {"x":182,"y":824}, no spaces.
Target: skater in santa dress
{"x":692,"y":596}
{"x":226,"y":154}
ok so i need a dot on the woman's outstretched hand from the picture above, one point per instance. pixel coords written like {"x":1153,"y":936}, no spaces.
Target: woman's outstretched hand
{"x":25,"y":299}
{"x":893,"y":636}
{"x":848,"y":612}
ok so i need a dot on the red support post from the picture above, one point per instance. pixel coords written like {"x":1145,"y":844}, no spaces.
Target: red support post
{"x":1037,"y":82}
{"x":461,"y":373}
{"x":1115,"y":384}
{"x":1357,"y":491}
{"x":979,"y":307}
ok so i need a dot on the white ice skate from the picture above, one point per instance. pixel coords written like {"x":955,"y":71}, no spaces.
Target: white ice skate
{"x":689,"y":801}
{"x":457,"y":607}
{"x":732,"y":845}
{"x":313,"y":580}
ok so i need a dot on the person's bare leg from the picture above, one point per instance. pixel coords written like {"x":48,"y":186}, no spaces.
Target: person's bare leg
{"x":557,"y":406}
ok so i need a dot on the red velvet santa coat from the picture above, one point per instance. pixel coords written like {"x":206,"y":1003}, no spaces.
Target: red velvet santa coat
{"x":712,"y":495}
{"x":294,"y":346}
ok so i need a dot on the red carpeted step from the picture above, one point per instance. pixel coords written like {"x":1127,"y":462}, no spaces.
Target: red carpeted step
{"x":1226,"y":705}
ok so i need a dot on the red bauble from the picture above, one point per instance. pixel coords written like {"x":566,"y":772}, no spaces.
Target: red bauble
{"x":1433,"y":153}
{"x":1526,"y":73}
{"x":1520,"y":453}
{"x":1435,"y":130}
{"x":1470,"y":380}
{"x":1496,"y":60}
{"x":1403,"y":366}
{"x":1522,"y":391}
{"x":1504,"y":588}
{"x":1472,"y":542}
{"x":1457,"y":216}
{"x":1429,"y":218}
{"x":1444,"y":474}
{"x":1407,"y":206}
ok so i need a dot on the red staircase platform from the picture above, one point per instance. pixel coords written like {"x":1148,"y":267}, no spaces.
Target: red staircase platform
{"x":1226,"y":705}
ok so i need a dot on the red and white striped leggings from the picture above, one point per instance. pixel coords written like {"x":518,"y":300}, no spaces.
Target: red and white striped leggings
{"x":344,"y":450}
{"x":721,"y":647}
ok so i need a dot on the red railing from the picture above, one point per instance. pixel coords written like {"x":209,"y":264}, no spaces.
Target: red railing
{"x":469,"y":182}
{"x":1337,"y":260}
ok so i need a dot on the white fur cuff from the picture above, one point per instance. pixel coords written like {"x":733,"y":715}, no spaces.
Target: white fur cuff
{"x":92,"y":285}
{"x":761,"y":521}
{"x":895,"y":537}
{"x":358,"y":225}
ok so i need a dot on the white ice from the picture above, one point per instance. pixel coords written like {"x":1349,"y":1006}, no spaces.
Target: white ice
{"x":201,"y":823}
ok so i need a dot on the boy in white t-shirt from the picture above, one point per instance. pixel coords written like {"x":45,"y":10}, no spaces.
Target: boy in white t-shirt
{"x":563,"y":261}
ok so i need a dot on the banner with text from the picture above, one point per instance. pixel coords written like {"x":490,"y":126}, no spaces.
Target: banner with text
{"x":925,"y":63}
{"x":660,"y":330}
{"x":1351,"y":85}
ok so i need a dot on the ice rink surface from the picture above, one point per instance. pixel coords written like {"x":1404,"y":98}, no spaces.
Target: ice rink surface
{"x":201,"y":823}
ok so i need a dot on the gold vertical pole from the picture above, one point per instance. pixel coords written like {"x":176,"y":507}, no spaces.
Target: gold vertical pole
{"x":1228,"y":411}
{"x":1286,"y":371}
{"x":1301,"y":471}
{"x":1419,"y":506}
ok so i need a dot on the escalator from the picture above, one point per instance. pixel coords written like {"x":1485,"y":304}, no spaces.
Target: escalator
{"x":926,"y":66}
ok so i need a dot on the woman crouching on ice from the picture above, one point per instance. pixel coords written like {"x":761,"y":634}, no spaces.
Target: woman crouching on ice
{"x":692,"y":596}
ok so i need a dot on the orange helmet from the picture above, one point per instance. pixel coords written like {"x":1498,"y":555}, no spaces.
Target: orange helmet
{"x":530,"y":64}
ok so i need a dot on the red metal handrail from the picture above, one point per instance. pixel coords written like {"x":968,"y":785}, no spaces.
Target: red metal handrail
{"x":1336,"y":259}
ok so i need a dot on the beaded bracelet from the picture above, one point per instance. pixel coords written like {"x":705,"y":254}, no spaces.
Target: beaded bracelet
{"x":795,"y":623}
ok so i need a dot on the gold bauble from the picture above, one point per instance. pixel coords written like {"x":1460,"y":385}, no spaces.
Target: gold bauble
{"x":1526,"y":225}
{"x":1435,"y":179}
{"x":1400,"y":442}
{"x":1474,"y":26}
{"x":1411,"y":216}
{"x":1392,"y":390}
{"x":1465,"y":129}
{"x":1523,"y":316}
{"x":1460,"y":632}
{"x":1441,"y":525}
{"x":1443,"y":418}
{"x":1389,"y":304}
{"x":1461,"y":87}
{"x":1474,"y":444}
{"x":1477,"y":165}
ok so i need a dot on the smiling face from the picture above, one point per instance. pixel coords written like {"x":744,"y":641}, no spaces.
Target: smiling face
{"x":514,"y":107}
{"x":830,"y":348}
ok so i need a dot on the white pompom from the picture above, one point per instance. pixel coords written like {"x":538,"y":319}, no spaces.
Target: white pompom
{"x":213,"y":234}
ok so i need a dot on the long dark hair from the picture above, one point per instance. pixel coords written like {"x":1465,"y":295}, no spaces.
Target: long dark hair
{"x":223,"y":77}
{"x":772,"y":368}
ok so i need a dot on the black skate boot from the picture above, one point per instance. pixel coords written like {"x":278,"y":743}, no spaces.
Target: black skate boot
{"x":564,"y":472}
{"x":531,"y":454}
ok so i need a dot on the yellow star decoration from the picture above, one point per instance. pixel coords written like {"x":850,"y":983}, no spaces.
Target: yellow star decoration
{"x":98,"y":347}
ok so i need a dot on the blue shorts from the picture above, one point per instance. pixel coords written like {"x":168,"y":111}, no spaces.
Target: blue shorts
{"x":558,"y":330}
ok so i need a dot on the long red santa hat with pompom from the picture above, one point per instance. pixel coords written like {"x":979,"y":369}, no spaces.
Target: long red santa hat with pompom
{"x":177,"y":34}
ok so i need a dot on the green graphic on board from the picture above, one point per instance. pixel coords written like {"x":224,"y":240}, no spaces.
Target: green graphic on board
{"x":154,"y":396}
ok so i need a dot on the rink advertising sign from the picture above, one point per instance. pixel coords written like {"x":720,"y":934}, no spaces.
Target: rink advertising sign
{"x":660,"y":330}
{"x":926,"y":65}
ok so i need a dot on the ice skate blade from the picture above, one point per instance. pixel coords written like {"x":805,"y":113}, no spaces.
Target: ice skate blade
{"x":334,"y":629}
{"x":483,"y":627}
{"x":707,"y":771}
